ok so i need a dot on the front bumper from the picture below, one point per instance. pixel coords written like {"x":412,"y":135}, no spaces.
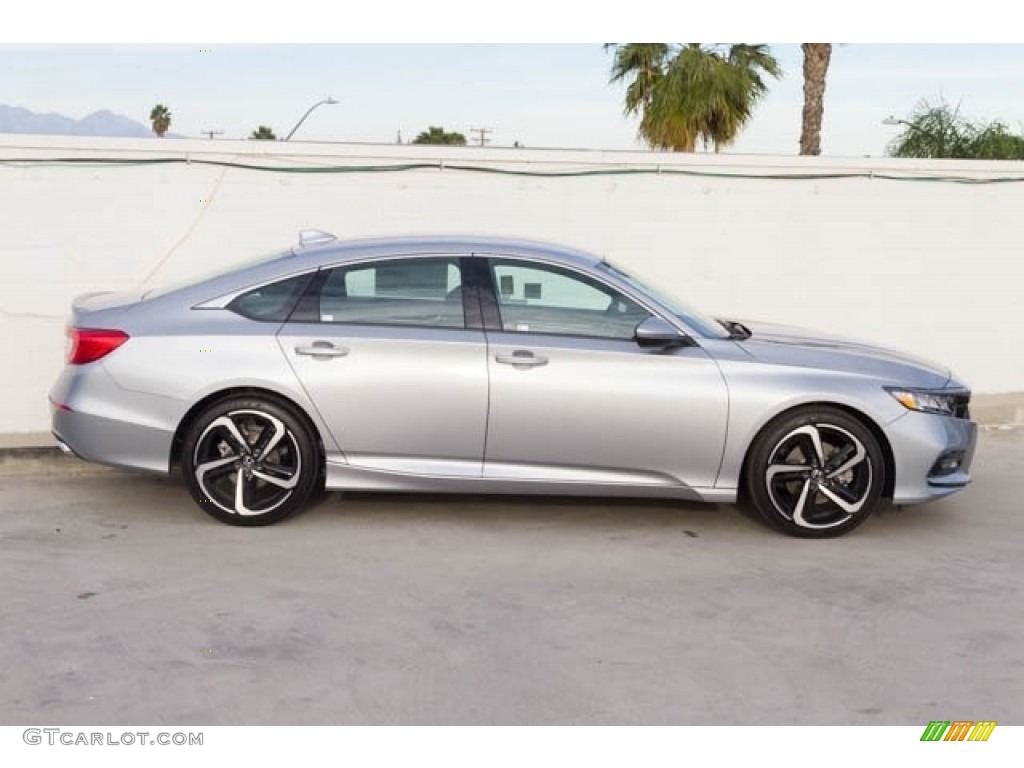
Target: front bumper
{"x":919,"y":441}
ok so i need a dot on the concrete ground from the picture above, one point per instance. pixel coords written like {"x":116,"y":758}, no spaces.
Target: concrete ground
{"x":124,"y":604}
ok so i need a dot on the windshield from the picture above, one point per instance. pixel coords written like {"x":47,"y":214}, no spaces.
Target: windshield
{"x":704,"y":325}
{"x":161,"y":288}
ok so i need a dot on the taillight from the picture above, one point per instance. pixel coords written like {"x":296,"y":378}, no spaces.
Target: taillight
{"x":86,"y":345}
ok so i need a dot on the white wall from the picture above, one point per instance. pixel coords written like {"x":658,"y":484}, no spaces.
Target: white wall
{"x":925,"y":266}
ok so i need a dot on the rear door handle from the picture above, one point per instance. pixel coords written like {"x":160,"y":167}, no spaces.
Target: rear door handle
{"x":522,"y":358}
{"x":322,"y":350}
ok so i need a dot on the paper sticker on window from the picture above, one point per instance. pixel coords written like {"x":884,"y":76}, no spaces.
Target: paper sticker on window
{"x":531,"y":290}
{"x":522,"y":327}
{"x":508,"y":285}
{"x":327,"y":318}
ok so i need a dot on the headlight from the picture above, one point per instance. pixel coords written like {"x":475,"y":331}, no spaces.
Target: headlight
{"x":928,"y":401}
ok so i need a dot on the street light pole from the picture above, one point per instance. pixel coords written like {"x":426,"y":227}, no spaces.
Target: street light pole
{"x":302,"y":119}
{"x":937,"y":137}
{"x":893,"y":120}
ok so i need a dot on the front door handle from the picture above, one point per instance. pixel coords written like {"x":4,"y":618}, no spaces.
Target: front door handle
{"x":522,"y":358}
{"x":322,"y":350}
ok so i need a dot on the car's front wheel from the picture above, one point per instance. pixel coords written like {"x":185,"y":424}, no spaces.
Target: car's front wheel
{"x":250,"y":461}
{"x":816,"y":472}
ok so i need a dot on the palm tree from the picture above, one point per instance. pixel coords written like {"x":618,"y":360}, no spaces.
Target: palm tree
{"x":161,"y":117}
{"x":816,"y":59}
{"x":264,"y":133}
{"x":692,"y":92}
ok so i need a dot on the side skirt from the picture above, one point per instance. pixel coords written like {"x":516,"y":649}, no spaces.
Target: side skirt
{"x":344,"y":477}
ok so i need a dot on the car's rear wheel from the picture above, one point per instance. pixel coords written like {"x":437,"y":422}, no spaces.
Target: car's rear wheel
{"x":816,"y":472}
{"x":250,"y":461}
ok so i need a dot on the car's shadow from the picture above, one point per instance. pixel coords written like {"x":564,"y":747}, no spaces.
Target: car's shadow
{"x":166,"y":500}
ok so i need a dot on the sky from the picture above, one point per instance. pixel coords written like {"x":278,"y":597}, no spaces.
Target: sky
{"x":538,"y":94}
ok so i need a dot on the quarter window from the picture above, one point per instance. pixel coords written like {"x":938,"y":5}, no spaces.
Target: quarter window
{"x":270,"y":303}
{"x":416,"y":292}
{"x":544,"y":299}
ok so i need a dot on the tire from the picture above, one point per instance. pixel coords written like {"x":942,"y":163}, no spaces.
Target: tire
{"x":250,"y":461}
{"x":815,"y":492}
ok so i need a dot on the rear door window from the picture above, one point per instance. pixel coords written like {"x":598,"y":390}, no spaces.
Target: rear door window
{"x":425,"y":292}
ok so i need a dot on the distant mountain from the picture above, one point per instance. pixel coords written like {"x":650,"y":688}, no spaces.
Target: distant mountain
{"x":102,"y":123}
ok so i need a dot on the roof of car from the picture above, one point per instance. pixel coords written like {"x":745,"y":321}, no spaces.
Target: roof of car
{"x":361,"y":248}
{"x":330,"y":252}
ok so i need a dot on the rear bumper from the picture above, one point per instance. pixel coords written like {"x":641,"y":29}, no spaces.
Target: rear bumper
{"x":116,"y":443}
{"x":919,"y":441}
{"x":100,"y":422}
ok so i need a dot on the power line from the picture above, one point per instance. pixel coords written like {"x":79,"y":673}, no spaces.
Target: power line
{"x":110,"y":162}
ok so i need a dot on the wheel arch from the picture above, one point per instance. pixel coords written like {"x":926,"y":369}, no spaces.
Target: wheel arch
{"x":242,"y":391}
{"x":870,"y":424}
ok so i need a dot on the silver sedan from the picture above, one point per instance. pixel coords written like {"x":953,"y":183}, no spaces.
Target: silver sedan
{"x":501,"y":366}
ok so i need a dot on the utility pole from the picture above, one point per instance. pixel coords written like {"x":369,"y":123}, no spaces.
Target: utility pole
{"x":211,"y":134}
{"x":481,"y":138}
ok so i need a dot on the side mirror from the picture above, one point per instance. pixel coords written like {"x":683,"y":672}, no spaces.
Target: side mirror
{"x":657,"y":332}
